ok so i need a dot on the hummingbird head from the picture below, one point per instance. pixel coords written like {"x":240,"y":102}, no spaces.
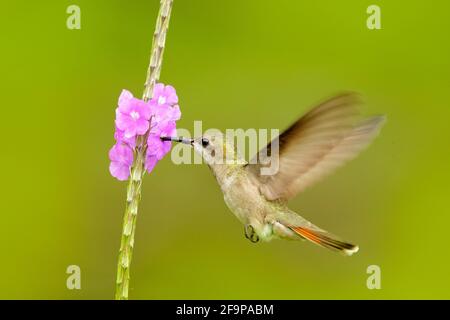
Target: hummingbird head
{"x":213,"y":148}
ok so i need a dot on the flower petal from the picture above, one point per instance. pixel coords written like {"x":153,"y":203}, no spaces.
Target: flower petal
{"x":171,"y":95}
{"x":158,"y":90}
{"x":121,"y":153}
{"x":119,"y":171}
{"x":125,"y":96}
{"x":141,"y":126}
{"x":150,"y":163}
{"x":119,"y":135}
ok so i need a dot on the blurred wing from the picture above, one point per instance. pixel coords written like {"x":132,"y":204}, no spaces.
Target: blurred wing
{"x":347,"y":149}
{"x":322,"y":140}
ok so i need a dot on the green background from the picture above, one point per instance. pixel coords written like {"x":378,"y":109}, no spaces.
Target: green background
{"x":235,"y":64}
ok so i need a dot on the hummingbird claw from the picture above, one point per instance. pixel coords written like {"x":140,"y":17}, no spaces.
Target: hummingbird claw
{"x":250,"y":233}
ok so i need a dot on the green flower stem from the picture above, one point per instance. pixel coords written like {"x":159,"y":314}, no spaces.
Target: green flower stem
{"x":137,"y":169}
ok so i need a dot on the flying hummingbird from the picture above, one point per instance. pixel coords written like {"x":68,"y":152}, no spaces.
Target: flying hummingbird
{"x":323,"y":139}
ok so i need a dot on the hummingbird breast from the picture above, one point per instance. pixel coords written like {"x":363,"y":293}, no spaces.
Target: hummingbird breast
{"x":243,"y":198}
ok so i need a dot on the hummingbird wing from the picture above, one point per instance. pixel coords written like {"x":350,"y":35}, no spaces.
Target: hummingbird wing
{"x":323,"y":139}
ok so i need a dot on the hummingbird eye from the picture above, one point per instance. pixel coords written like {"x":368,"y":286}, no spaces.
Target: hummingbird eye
{"x":205,"y":142}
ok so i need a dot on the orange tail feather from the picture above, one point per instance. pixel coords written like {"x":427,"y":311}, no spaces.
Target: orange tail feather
{"x":325,"y":239}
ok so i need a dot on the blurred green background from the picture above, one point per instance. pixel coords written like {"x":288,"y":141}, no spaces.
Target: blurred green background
{"x":235,"y":64}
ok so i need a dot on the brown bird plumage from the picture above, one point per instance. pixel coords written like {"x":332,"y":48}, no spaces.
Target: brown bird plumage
{"x":322,"y":140}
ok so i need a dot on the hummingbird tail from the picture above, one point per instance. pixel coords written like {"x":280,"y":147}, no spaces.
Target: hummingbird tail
{"x":325,"y":239}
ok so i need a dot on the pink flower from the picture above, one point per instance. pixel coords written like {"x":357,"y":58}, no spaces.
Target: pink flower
{"x":164,"y":95}
{"x":121,"y":157}
{"x":125,"y":96}
{"x":132,"y":115}
{"x":134,"y":118}
{"x":155,"y":146}
{"x":119,"y":135}
{"x":165,"y":113}
{"x":150,"y":162}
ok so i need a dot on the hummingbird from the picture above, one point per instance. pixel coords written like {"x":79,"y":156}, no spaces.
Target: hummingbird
{"x":323,"y":139}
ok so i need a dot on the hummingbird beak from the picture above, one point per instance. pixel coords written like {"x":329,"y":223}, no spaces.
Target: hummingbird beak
{"x":178,"y":139}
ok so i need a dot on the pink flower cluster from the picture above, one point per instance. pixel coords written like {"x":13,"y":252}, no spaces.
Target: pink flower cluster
{"x":135,"y":118}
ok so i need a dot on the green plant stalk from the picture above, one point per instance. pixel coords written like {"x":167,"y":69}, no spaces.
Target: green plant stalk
{"x":137,"y":169}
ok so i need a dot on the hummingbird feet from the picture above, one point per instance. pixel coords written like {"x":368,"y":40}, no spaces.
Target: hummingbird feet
{"x":250,"y":233}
